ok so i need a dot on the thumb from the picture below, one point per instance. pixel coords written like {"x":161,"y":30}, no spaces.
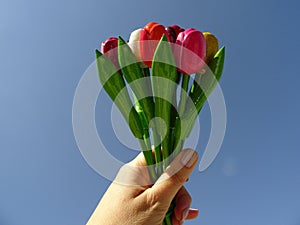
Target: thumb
{"x":134,"y":173}
{"x":169,"y":183}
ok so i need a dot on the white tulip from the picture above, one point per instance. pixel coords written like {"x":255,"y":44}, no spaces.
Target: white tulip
{"x":134,"y":44}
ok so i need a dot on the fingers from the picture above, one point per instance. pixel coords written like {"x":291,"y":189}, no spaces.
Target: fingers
{"x":182,"y":204}
{"x":175,"y":175}
{"x":192,"y":214}
{"x":182,"y":210}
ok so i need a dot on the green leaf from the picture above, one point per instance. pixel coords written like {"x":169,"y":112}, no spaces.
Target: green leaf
{"x":109,"y":76}
{"x":217,"y":64}
{"x":208,"y":82}
{"x":164,"y":77}
{"x":135,"y":77}
{"x":115,"y":86}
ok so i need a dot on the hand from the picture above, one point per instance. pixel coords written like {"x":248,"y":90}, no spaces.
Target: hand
{"x":131,"y":199}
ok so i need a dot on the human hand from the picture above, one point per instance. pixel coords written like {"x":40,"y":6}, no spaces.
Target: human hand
{"x":131,"y":200}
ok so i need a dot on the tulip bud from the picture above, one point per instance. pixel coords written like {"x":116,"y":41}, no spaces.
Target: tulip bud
{"x":110,"y":50}
{"x":151,"y":32}
{"x":134,"y":44}
{"x":190,"y":51}
{"x":177,"y":29}
{"x":212,"y":46}
{"x":173,"y":32}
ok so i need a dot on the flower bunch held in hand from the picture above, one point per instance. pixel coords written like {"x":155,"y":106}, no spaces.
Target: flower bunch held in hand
{"x":152,"y":65}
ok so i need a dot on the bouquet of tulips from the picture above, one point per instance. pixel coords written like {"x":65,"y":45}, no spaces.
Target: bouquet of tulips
{"x":153,"y":65}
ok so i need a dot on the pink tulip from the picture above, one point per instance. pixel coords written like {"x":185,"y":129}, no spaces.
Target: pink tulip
{"x":190,"y":51}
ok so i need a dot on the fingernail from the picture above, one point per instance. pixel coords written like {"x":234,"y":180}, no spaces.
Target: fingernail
{"x":185,"y":213}
{"x":189,"y":159}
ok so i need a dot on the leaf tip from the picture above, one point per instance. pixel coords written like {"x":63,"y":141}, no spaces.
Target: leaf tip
{"x":121,"y":41}
{"x":98,"y":53}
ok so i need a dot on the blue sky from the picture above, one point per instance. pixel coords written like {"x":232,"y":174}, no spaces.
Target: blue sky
{"x":45,"y":47}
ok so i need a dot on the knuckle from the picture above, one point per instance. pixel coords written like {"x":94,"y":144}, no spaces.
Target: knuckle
{"x":152,"y":199}
{"x":155,"y":201}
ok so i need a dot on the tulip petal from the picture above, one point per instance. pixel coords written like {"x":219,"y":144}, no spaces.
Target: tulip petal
{"x":109,"y":49}
{"x":212,"y":46}
{"x":190,"y":51}
{"x":149,"y":39}
{"x":134,"y":44}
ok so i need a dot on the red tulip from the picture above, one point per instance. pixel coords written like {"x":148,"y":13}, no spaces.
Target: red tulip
{"x":177,"y":29}
{"x":190,"y":51}
{"x":173,"y":32}
{"x":151,"y":32}
{"x":110,"y":50}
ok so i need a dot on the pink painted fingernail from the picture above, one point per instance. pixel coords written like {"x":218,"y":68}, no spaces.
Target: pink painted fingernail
{"x":189,"y":159}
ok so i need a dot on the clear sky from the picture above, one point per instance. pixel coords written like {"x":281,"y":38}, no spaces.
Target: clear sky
{"x":45,"y":46}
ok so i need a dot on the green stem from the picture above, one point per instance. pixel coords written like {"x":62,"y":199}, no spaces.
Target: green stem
{"x":168,"y":217}
{"x":184,"y":93}
{"x":148,"y":155}
{"x":174,"y":113}
{"x":178,"y":148}
{"x":146,"y":72}
{"x":166,"y":149}
{"x":168,"y":220}
{"x":156,"y":139}
{"x":157,"y":150}
{"x":181,"y":109}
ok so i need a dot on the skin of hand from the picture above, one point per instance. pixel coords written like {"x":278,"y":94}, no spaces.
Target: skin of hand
{"x":132,"y":200}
